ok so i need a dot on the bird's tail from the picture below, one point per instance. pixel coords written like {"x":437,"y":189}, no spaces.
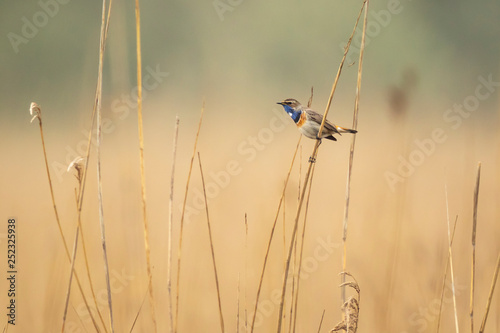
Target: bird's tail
{"x":345,"y":130}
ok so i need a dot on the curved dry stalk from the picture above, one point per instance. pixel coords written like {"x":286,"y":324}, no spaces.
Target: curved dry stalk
{"x":36,"y":112}
{"x":221,"y":317}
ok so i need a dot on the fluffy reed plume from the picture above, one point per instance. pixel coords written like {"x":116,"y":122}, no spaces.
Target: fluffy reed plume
{"x":350,"y":308}
{"x":78,"y":165}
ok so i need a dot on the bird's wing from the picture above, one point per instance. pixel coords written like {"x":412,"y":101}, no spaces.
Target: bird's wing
{"x":316,"y":117}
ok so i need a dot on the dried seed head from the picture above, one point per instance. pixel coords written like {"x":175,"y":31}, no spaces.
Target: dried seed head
{"x":350,"y":313}
{"x":350,"y":309}
{"x":77,"y":164}
{"x":35,"y":111}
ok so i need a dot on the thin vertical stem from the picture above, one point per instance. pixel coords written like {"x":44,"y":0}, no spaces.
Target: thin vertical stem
{"x":473,"y":263}
{"x":351,"y":153}
{"x":170,"y":222}
{"x":264,"y":265}
{"x":179,"y":252}
{"x":99,"y":175}
{"x":141,"y":156}
{"x":221,"y":317}
{"x":490,"y":296}
{"x":451,"y":262}
{"x":308,"y":174}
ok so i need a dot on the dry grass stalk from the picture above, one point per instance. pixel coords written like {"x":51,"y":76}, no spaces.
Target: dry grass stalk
{"x":350,"y":308}
{"x":299,"y":268}
{"x":170,"y":222}
{"x":238,"y":306}
{"x":246,"y":272}
{"x":308,"y":174}
{"x":36,"y":112}
{"x":264,"y":265}
{"x":78,"y":165}
{"x":490,"y":296}
{"x":321,"y":321}
{"x":68,"y":293}
{"x":179,"y":252}
{"x":353,"y":144}
{"x":140,"y":309}
{"x":445,"y":276}
{"x":81,"y":177}
{"x":297,"y":265}
{"x":104,"y":27}
{"x":221,"y":317}
{"x":473,"y":264}
{"x":450,"y":256}
{"x":141,"y":156}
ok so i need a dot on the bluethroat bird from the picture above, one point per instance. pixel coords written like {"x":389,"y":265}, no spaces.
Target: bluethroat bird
{"x":309,"y":121}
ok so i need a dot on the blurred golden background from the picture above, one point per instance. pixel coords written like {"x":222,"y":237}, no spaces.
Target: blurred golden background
{"x":428,"y":114}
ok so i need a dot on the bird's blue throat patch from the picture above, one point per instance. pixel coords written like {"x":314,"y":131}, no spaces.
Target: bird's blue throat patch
{"x":294,"y":114}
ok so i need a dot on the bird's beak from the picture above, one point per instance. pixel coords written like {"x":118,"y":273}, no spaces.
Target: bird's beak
{"x":280,"y":103}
